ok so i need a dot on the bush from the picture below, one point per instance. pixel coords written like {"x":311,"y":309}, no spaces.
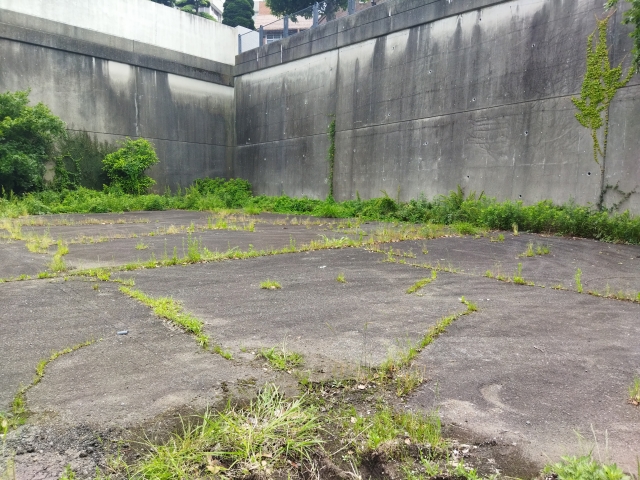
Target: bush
{"x":126,"y":167}
{"x":27,"y":141}
{"x":233,"y":193}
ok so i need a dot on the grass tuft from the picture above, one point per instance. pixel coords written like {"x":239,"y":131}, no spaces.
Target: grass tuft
{"x":634,"y":392}
{"x":422,"y":282}
{"x":282,"y":359}
{"x":270,"y":285}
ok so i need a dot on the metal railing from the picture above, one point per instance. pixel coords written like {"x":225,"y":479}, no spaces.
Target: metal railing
{"x":317,"y":14}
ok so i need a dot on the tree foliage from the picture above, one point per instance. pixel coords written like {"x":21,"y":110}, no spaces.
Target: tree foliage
{"x":632,"y":17}
{"x":328,"y":8}
{"x":188,"y":6}
{"x":238,"y":12}
{"x":600,"y":84}
{"x":126,"y":167}
{"x":27,"y":141}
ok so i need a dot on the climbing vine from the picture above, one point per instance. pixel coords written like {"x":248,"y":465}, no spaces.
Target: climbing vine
{"x":600,"y":84}
{"x":631,"y":16}
{"x":331,"y":154}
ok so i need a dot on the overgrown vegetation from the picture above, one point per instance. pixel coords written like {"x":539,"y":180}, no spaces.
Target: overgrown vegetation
{"x":631,"y":16}
{"x":270,"y":285}
{"x":28,"y":137}
{"x":634,"y":392}
{"x":453,"y":209}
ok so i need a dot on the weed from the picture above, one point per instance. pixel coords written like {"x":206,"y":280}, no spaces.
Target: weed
{"x":96,"y":287}
{"x":223,"y":353}
{"x":171,"y":310}
{"x":542,"y":250}
{"x":558,"y":287}
{"x":340,"y":278}
{"x":141,"y":245}
{"x":517,"y":278}
{"x":578,"y":279}
{"x":422,"y":282}
{"x":529,"y":252}
{"x":281,"y":359}
{"x":499,"y":238}
{"x":489,"y":274}
{"x":634,"y":392}
{"x":68,"y":474}
{"x":584,"y":468}
{"x":270,"y":285}
{"x":514,"y":227}
{"x":272,"y":433}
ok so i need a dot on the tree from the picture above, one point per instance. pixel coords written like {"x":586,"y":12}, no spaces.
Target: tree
{"x":188,"y":6}
{"x":192,"y":6}
{"x":126,"y":166}
{"x":631,"y":16}
{"x":328,"y":8}
{"x":28,"y":136}
{"x":238,"y":12}
{"x":600,"y":84}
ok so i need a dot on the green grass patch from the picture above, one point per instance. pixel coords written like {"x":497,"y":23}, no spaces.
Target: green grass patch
{"x":585,"y":467}
{"x":282,"y":359}
{"x":273,"y":433}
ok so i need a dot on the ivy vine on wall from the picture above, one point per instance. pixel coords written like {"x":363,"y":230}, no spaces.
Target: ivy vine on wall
{"x":600,"y":84}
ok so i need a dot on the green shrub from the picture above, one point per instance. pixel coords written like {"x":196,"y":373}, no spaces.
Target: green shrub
{"x":233,"y":193}
{"x":126,"y":167}
{"x":27,"y":141}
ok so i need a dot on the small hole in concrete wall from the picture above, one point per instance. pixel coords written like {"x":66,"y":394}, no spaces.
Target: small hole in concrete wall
{"x":426,"y":143}
{"x":526,"y":132}
{"x":430,"y":71}
{"x":533,"y":45}
{"x":473,"y":99}
{"x":519,"y":196}
{"x":589,"y":173}
{"x":467,"y":176}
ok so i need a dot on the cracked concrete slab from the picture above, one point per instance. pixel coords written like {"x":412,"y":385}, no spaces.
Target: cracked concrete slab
{"x":120,"y":379}
{"x":602,"y":264}
{"x":534,"y":367}
{"x":338,"y":324}
{"x":560,"y":360}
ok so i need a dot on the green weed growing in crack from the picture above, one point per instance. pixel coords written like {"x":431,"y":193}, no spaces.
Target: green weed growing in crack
{"x":340,"y":278}
{"x":141,"y":245}
{"x":282,"y":359}
{"x":499,"y":238}
{"x":518,"y":279}
{"x":171,"y":310}
{"x":422,"y":282}
{"x":57,"y":264}
{"x":395,"y":368}
{"x":578,"y":278}
{"x":634,"y":392}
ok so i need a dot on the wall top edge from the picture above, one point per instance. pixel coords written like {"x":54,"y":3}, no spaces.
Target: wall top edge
{"x":382,"y":19}
{"x":51,"y":34}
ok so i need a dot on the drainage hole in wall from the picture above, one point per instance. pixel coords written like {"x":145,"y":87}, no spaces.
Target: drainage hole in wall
{"x":589,"y":173}
{"x":519,"y":196}
{"x":526,"y":132}
{"x":473,"y":99}
{"x":467,"y":176}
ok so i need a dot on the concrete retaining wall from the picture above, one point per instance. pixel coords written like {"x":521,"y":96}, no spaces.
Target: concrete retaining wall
{"x":114,"y":87}
{"x":431,"y":95}
{"x":140,"y":20}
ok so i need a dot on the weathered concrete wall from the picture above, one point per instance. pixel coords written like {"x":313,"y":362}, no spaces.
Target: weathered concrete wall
{"x":140,"y":20}
{"x":429,"y":95}
{"x":113,"y":88}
